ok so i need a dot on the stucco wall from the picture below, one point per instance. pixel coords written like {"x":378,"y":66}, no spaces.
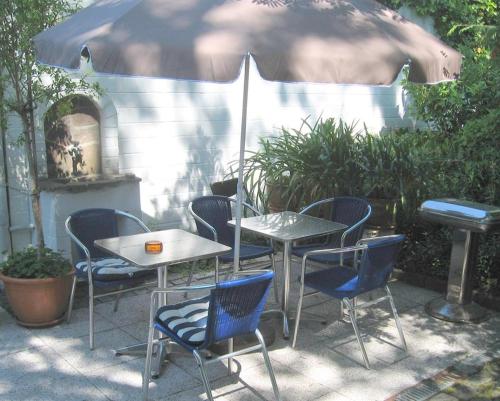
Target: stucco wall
{"x":178,"y":136}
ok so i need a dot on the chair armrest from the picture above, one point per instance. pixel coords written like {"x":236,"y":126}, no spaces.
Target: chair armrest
{"x":364,"y":241}
{"x":203,"y":222}
{"x":334,"y":251}
{"x":135,"y":219}
{"x":248,"y":206}
{"x":354,"y":249}
{"x":85,"y":250}
{"x":355,"y":226}
{"x":315,"y":204}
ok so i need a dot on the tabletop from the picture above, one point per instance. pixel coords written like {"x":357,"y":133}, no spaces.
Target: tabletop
{"x":289,"y":226}
{"x":178,"y":246}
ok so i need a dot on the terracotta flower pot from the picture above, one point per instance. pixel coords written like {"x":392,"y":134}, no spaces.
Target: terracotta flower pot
{"x":38,"y":302}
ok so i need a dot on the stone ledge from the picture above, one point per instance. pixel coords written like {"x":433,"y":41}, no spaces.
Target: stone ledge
{"x":83,"y":184}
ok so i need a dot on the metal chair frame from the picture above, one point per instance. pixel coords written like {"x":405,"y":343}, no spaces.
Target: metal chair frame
{"x":202,"y":361}
{"x":90,"y":278}
{"x":346,"y":232}
{"x":214,"y":233}
{"x":351,"y":304}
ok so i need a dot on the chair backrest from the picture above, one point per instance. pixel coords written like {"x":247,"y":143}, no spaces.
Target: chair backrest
{"x":91,"y":224}
{"x":377,"y":262}
{"x":236,"y":306}
{"x":349,"y":210}
{"x":225,"y":188}
{"x":216,"y":211}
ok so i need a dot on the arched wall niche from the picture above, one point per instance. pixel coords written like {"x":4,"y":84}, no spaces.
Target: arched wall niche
{"x":72,"y":130}
{"x":81,"y":138}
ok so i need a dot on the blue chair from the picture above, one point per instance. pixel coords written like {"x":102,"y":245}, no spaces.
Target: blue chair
{"x":374,"y":260}
{"x":107,"y":272}
{"x":211,"y":214}
{"x":348,"y":210}
{"x":232,"y":309}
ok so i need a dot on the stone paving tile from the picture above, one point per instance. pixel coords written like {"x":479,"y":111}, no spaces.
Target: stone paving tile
{"x":14,"y":338}
{"x":124,"y":382}
{"x":77,"y":353}
{"x":291,"y":383}
{"x":132,"y":309}
{"x":193,"y":394}
{"x":216,"y":370}
{"x":77,"y":327}
{"x":35,"y":374}
{"x":411,"y":293}
{"x":379,"y":352}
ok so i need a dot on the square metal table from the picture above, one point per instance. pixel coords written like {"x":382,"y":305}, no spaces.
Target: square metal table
{"x":288,"y":227}
{"x":178,"y":246}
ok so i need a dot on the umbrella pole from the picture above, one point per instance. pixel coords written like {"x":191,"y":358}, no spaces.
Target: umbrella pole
{"x":239,"y":196}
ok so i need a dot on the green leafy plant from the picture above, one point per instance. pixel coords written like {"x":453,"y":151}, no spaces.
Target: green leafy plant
{"x":30,"y":263}
{"x":316,"y":161}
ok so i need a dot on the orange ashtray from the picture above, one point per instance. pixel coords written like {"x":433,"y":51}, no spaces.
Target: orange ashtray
{"x":153,"y":247}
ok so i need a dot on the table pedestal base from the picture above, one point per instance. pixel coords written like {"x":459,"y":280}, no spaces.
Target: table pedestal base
{"x":468,"y":313}
{"x":159,"y":355}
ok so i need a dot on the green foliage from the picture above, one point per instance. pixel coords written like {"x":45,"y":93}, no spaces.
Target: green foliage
{"x":24,"y":84}
{"x":313,"y":162}
{"x":31,"y":264}
{"x":332,"y":158}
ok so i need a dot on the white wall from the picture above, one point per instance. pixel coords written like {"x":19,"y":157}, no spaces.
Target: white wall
{"x":178,"y":136}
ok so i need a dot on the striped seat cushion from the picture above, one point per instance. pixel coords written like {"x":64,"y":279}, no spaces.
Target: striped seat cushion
{"x":111,"y":269}
{"x":187,"y":320}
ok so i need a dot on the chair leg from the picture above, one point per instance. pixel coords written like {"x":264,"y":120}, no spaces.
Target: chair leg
{"x":146,"y":377}
{"x":268,"y":365}
{"x":275,"y":280}
{"x":91,"y":317}
{"x":354,"y":322}
{"x":71,"y":300}
{"x":117,"y":299}
{"x":204,"y":377}
{"x":190,"y":277}
{"x":297,"y":318}
{"x":230,"y":349}
{"x":396,"y":319}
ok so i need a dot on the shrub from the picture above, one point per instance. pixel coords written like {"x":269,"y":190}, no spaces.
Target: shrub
{"x":28,"y":264}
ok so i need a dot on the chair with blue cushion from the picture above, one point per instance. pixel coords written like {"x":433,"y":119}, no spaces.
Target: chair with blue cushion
{"x":348,"y":210}
{"x":231,"y":309}
{"x":211,"y":214}
{"x":374,"y":260}
{"x":106,"y":272}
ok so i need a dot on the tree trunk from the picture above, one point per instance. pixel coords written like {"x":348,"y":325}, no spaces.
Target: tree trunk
{"x":30,"y":146}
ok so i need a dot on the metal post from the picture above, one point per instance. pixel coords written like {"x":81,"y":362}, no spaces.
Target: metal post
{"x":239,"y":199}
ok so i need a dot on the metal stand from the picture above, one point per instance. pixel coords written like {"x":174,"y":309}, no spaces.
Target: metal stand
{"x":458,"y":306}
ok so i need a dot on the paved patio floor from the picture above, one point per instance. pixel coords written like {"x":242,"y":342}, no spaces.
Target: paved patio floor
{"x":55,"y":363}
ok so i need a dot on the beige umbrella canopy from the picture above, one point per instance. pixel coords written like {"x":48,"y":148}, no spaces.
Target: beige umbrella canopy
{"x":358,"y":41}
{"x":334,"y":41}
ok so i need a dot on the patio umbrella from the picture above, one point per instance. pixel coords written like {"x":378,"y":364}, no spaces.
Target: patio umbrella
{"x":329,"y":41}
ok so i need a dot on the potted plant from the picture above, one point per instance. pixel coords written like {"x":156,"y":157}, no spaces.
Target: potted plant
{"x":38,"y":286}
